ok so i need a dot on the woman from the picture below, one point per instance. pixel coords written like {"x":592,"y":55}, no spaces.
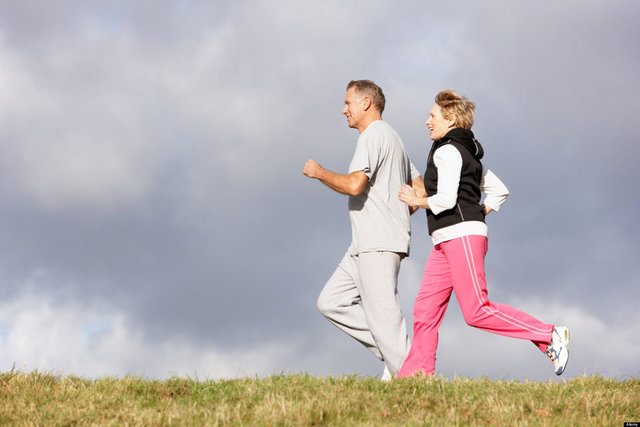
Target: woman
{"x":454,"y":181}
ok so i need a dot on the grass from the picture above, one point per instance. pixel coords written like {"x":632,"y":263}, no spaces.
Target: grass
{"x":44,"y":399}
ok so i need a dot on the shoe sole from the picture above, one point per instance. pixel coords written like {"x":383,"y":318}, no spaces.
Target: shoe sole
{"x":565,"y":331}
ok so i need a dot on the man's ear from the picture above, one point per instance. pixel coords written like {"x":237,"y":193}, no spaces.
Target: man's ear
{"x":366,"y":103}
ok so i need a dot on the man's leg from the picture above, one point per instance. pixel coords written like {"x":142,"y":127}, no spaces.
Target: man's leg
{"x":378,"y":287}
{"x":339,"y":303}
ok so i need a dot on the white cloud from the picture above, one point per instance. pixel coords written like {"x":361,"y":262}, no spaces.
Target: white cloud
{"x":91,"y":340}
{"x":94,"y":338}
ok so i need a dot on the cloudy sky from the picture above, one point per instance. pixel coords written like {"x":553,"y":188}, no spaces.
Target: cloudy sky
{"x":154,"y":219}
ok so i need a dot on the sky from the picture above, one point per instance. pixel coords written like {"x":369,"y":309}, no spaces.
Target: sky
{"x":155,"y":221}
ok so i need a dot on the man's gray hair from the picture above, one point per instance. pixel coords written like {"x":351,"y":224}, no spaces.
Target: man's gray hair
{"x":370,"y":89}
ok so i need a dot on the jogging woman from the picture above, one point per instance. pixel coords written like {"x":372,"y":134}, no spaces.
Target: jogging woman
{"x":454,"y":181}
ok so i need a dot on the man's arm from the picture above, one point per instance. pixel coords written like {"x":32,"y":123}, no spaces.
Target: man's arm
{"x":352,"y":184}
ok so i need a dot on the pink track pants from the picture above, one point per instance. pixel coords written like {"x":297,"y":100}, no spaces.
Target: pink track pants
{"x":458,"y":265}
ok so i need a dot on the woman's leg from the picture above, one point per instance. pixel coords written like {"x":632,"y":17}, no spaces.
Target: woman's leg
{"x":466,"y":260}
{"x":428,"y":311}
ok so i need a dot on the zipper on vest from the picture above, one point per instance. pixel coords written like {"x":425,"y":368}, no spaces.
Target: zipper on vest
{"x":460,"y":210}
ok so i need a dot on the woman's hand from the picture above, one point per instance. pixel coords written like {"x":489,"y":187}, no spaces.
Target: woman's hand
{"x":407,"y":195}
{"x":486,"y":209}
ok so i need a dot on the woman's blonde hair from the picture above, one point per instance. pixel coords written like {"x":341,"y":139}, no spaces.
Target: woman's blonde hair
{"x":458,"y":106}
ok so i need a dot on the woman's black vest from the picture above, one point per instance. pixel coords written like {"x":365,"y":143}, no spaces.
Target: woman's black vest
{"x":467,"y":206}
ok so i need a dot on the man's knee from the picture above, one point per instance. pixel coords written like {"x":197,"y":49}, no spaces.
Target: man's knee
{"x":325,"y":305}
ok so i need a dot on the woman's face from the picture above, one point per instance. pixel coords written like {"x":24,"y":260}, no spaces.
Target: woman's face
{"x":438,"y":125}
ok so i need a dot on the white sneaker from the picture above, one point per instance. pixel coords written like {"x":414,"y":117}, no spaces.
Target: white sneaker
{"x":558,"y":350}
{"x":386,"y":375}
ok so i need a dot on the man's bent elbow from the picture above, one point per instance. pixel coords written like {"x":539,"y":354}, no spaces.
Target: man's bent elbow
{"x":355,"y":190}
{"x":357,"y":184}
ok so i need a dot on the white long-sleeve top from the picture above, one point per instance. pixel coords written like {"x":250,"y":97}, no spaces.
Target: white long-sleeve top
{"x":449,"y":163}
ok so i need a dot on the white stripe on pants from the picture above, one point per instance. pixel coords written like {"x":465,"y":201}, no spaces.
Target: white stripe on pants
{"x":361,"y":298}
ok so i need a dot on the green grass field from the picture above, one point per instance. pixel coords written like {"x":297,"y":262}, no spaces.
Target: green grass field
{"x":43,"y":399}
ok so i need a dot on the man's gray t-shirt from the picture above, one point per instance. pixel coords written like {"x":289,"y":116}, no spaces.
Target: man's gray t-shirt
{"x":379,"y":221}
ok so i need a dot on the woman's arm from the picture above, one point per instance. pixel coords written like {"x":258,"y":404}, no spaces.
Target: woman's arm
{"x":408,"y":195}
{"x":449,"y":163}
{"x":495,"y":190}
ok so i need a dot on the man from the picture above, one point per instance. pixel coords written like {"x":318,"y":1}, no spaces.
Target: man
{"x":361,"y":296}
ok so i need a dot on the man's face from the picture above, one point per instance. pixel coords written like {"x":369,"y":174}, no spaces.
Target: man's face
{"x":353,"y":108}
{"x":438,"y":125}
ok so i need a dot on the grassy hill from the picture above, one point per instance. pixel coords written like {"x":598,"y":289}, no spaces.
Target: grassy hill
{"x":43,"y":399}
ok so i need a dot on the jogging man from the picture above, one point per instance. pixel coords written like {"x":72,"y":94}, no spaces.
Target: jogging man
{"x":361,"y":296}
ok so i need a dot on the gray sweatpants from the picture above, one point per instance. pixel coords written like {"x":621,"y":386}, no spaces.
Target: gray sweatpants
{"x":361,"y":298}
